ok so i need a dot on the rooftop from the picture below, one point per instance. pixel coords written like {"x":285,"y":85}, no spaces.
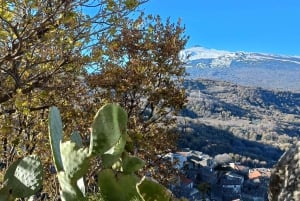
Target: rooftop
{"x":185,"y":181}
{"x":259,"y":172}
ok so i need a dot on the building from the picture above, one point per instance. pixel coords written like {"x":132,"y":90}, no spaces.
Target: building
{"x":198,"y":160}
{"x":178,"y":159}
{"x":239,"y":169}
{"x":232,"y":184}
{"x":259,"y":173}
{"x":256,"y":187}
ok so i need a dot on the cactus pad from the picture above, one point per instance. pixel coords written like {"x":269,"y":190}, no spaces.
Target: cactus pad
{"x":56,"y":136}
{"x":151,"y":190}
{"x":75,"y":161}
{"x":24,"y":177}
{"x":118,"y":187}
{"x":110,"y":123}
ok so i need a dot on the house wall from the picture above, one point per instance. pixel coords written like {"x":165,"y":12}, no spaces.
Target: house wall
{"x":234,"y":188}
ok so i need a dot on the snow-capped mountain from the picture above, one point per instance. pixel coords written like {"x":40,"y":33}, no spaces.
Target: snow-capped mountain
{"x":249,"y":69}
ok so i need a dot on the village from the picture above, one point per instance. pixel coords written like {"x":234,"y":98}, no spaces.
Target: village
{"x":201,"y":178}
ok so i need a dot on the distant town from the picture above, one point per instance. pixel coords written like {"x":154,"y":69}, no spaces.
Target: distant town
{"x":202,"y":178}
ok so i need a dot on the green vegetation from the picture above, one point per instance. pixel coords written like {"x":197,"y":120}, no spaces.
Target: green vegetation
{"x":79,"y":55}
{"x":22,"y":179}
{"x":117,"y":181}
{"x":204,"y":188}
{"x":140,"y":68}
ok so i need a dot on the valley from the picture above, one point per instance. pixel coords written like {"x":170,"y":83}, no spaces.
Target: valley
{"x":253,"y":125}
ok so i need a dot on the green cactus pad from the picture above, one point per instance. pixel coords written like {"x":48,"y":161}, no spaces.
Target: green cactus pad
{"x":56,"y":135}
{"x":132,"y":164}
{"x":75,"y":161}
{"x":69,"y":190}
{"x":5,"y":194}
{"x":76,"y":138}
{"x":110,"y":123}
{"x":24,"y":177}
{"x":113,"y":155}
{"x":150,"y":190}
{"x":118,"y":187}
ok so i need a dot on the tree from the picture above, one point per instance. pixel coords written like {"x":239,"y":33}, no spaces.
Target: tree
{"x":45,"y":49}
{"x":141,"y":69}
{"x":222,"y":159}
{"x":204,"y":188}
{"x":78,"y":55}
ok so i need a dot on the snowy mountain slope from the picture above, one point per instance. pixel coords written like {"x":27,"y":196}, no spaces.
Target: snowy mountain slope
{"x":248,"y":69}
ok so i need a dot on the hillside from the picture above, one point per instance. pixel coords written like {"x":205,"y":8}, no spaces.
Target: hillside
{"x":251,"y":124}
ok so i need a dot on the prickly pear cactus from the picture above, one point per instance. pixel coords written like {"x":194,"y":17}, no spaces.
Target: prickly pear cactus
{"x":71,"y":161}
{"x":109,"y":126}
{"x":108,"y":138}
{"x":22,"y":179}
{"x":150,"y":190}
{"x":55,"y":127}
{"x":75,"y":163}
{"x":121,"y":188}
{"x":76,"y":138}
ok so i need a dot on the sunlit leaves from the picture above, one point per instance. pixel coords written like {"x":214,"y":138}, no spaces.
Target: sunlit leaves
{"x":140,"y":69}
{"x":111,"y":5}
{"x":131,"y":4}
{"x":5,"y":11}
{"x":45,"y":47}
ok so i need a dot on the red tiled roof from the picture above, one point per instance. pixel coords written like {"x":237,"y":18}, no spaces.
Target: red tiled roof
{"x":184,"y":180}
{"x":253,"y":174}
{"x":259,"y":172}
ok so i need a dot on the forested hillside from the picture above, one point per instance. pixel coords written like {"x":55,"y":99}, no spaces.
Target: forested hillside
{"x":253,"y":125}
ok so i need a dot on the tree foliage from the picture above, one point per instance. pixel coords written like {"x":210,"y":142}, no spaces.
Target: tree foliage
{"x":48,"y":51}
{"x":140,"y":68}
{"x":44,"y":51}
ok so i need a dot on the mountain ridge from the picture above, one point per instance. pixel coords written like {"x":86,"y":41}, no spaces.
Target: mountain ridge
{"x":270,"y":71}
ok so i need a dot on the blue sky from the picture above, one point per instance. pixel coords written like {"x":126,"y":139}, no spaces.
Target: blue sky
{"x":266,"y":26}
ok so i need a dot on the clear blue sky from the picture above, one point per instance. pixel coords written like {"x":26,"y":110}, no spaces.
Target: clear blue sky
{"x":266,"y":26}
